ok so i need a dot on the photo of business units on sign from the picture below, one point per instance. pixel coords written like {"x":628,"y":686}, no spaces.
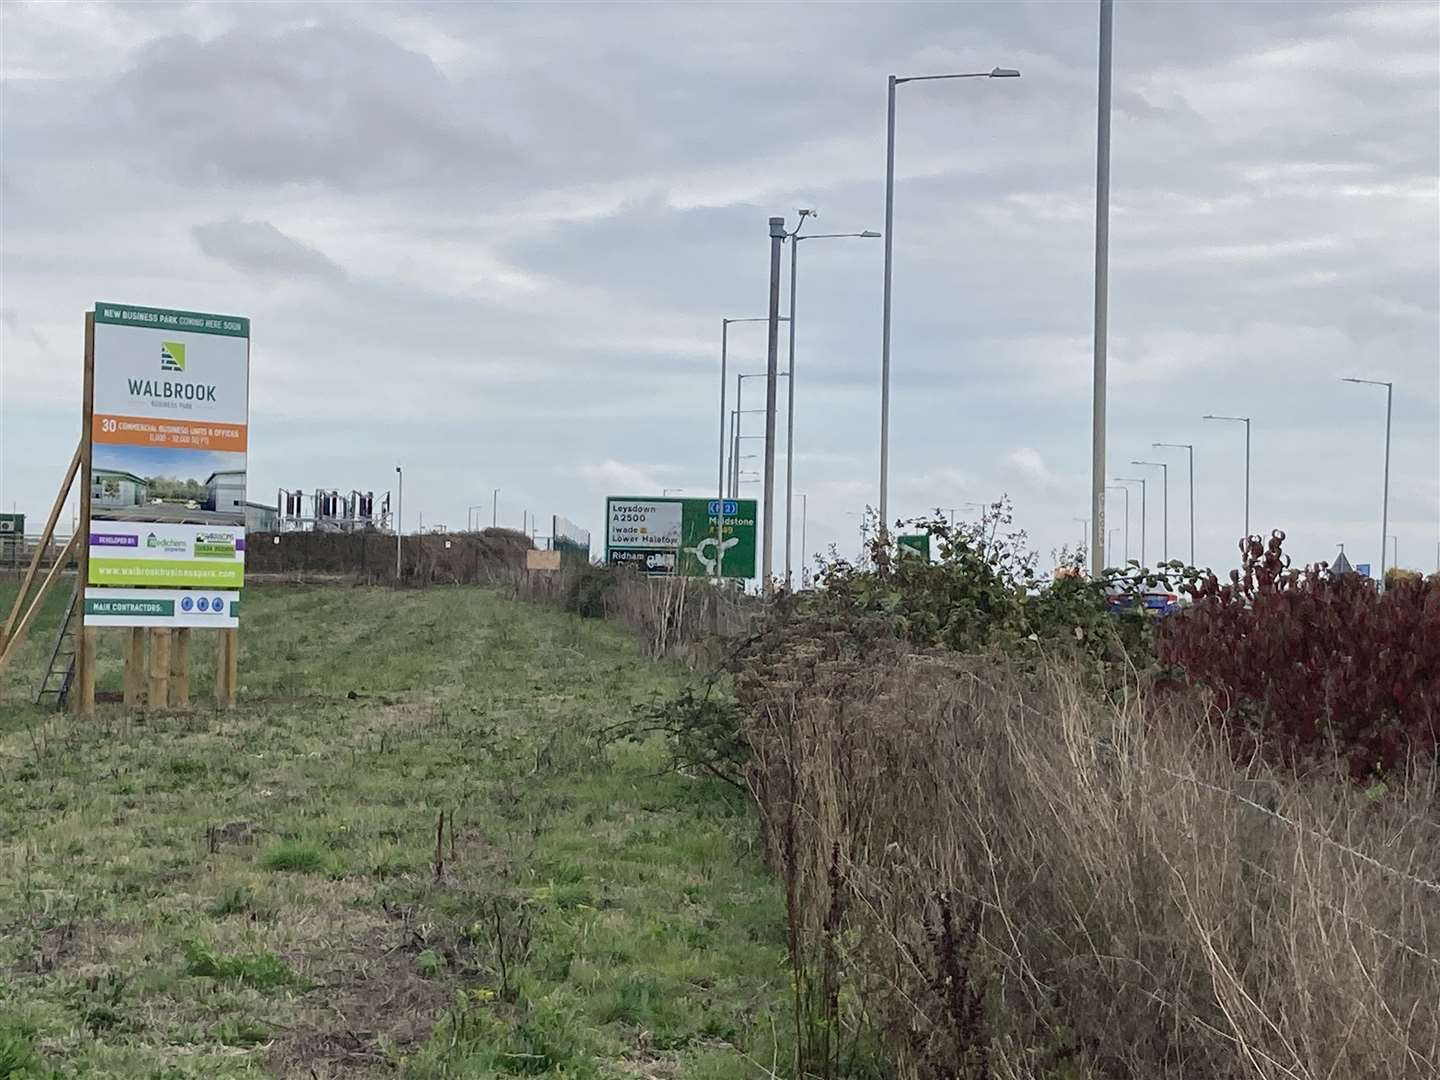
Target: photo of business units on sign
{"x":139,"y":483}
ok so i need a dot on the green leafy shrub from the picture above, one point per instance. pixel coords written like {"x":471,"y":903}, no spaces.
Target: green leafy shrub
{"x":18,"y":1059}
{"x":702,"y":727}
{"x":982,"y":591}
{"x":586,"y":588}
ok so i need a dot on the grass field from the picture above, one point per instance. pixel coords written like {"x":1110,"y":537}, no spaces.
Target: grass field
{"x":409,"y":852}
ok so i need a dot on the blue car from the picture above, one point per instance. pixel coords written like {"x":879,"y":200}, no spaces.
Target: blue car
{"x":1156,"y":604}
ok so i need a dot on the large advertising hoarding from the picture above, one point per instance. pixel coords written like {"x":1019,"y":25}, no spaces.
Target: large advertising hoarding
{"x":169,"y":438}
{"x":662,"y":535}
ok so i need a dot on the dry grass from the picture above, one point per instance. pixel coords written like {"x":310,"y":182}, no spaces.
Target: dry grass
{"x":1142,"y":907}
{"x":689,"y":619}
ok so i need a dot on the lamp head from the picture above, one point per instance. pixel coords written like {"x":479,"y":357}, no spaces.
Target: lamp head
{"x":1004,"y":73}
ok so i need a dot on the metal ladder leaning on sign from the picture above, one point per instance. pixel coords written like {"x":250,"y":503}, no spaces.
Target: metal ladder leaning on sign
{"x":60,"y":670}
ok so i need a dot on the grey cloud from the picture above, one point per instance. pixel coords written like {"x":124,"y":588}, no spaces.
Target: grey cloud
{"x":258,"y":247}
{"x":327,"y":102}
{"x":547,"y":209}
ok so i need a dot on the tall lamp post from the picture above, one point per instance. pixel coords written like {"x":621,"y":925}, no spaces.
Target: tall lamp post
{"x":1246,"y":421}
{"x":1141,"y":481}
{"x":740,"y":409}
{"x":735,"y":442}
{"x":772,"y":389}
{"x":994,"y":73}
{"x":1126,"y":492}
{"x":1084,"y":524}
{"x":1191,"y":449}
{"x":795,"y":239}
{"x":1165,"y":505}
{"x":1385,"y":489}
{"x":1102,"y":288}
{"x":720,"y":484}
{"x":399,"y":507}
{"x":495,"y":508}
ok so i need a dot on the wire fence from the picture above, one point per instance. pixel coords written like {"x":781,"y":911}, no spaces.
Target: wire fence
{"x":16,"y":550}
{"x":455,"y":558}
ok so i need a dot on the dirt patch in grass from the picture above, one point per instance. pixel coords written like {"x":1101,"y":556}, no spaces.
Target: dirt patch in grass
{"x":366,"y":1008}
{"x":73,"y":945}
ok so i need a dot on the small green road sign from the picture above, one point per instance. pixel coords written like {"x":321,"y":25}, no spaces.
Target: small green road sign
{"x":663,"y":535}
{"x":914,"y":545}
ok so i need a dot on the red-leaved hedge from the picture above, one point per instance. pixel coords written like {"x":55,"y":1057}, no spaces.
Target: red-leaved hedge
{"x":1307,"y":665}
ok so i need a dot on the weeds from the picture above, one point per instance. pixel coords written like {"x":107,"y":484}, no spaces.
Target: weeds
{"x":260,"y":970}
{"x":235,"y":900}
{"x":295,"y":857}
{"x":1033,"y":877}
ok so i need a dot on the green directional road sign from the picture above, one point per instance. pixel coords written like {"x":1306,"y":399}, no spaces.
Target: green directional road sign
{"x":664,"y":535}
{"x":913,"y":545}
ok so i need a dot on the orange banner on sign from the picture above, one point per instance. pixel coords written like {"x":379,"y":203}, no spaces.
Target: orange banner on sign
{"x":167,"y":434}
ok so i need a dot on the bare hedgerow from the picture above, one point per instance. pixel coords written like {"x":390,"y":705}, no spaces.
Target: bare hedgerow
{"x":1142,"y":907}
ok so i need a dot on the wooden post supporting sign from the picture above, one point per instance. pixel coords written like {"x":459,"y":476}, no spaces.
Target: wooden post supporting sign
{"x":226,"y":664}
{"x":232,"y":665}
{"x":159,"y":694}
{"x":180,"y":668}
{"x":84,"y":701}
{"x":134,"y":667}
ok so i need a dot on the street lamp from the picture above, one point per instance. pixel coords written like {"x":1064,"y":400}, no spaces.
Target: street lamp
{"x":495,"y":508}
{"x":1165,"y":505}
{"x":399,"y":506}
{"x":795,"y":239}
{"x":1246,"y":421}
{"x":994,"y":73}
{"x":735,"y":439}
{"x":740,"y":409}
{"x":1141,"y":481}
{"x":1126,"y":492}
{"x":1084,"y":524}
{"x":963,"y":506}
{"x":1191,"y":448}
{"x":720,"y":485}
{"x":1385,"y":492}
{"x":1099,"y":394}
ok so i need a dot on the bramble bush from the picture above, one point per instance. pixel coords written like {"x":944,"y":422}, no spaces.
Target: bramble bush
{"x":982,"y":591}
{"x":1306,"y":665}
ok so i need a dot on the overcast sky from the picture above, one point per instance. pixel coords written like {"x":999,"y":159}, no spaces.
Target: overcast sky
{"x":495,"y":243}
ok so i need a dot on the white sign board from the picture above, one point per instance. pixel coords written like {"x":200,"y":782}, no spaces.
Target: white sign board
{"x":640,"y":524}
{"x":162,"y":607}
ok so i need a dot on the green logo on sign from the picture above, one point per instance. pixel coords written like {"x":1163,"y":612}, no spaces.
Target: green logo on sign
{"x":172,"y":356}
